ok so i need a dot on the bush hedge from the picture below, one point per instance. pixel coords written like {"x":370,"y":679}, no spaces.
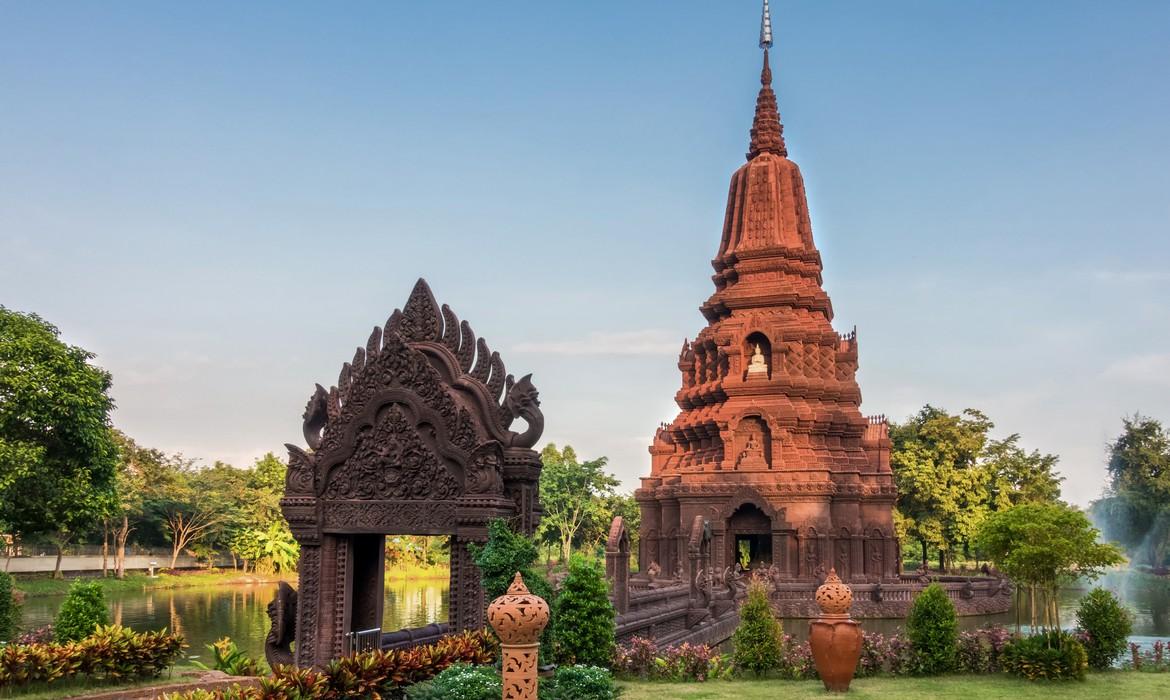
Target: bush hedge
{"x":1049,"y":656}
{"x":9,"y":608}
{"x":372,"y":674}
{"x":583,"y":627}
{"x":113,"y":653}
{"x":933,"y":630}
{"x":641,"y":658}
{"x":1105,"y":625}
{"x":83,"y":611}
{"x":757,"y":639}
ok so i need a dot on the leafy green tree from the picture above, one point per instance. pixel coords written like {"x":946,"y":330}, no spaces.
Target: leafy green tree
{"x":933,"y":630}
{"x":1042,"y":546}
{"x":187,"y":503}
{"x":584,"y":616}
{"x":1136,"y":508}
{"x":505,"y":554}
{"x":951,"y":474}
{"x":571,"y":492}
{"x":58,"y":455}
{"x":757,"y":639}
{"x":81,"y":613}
{"x":941,"y":492}
{"x":1106,"y":624}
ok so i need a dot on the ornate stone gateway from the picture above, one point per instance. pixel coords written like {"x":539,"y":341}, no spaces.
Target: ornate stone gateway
{"x":415,"y":439}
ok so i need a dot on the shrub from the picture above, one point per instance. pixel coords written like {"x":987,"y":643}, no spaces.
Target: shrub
{"x":641,"y":658}
{"x":578,"y":683}
{"x":115,"y":653}
{"x":41,"y":635}
{"x":460,"y":682}
{"x":82,"y":612}
{"x":506,"y":553}
{"x":9,"y":608}
{"x":1049,"y":656}
{"x":227,"y":657}
{"x":757,"y":638}
{"x":584,"y":617}
{"x":1106,"y":625}
{"x":933,"y":631}
{"x":981,"y":651}
{"x":371,"y":674}
{"x":796,"y":661}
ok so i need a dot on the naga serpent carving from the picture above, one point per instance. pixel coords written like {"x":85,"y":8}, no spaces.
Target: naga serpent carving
{"x":282,"y":612}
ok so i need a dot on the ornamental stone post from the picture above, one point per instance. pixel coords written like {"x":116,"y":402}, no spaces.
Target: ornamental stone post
{"x":518,"y":617}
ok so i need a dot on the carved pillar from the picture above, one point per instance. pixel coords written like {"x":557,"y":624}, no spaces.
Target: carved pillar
{"x":467,"y":594}
{"x":518,"y":617}
{"x":781,"y":547}
{"x":857,"y":565}
{"x":308,"y":590}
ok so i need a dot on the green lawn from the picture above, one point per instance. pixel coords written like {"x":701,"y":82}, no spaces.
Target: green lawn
{"x":1118,"y":685}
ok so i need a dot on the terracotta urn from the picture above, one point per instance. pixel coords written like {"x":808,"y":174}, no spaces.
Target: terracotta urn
{"x":835,"y":639}
{"x":518,"y":617}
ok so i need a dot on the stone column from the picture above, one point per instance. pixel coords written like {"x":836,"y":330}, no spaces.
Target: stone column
{"x":518,"y":617}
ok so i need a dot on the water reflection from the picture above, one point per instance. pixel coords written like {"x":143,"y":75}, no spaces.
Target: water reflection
{"x":205,"y":614}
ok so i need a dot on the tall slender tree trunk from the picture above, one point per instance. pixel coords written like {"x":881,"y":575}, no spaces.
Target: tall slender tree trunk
{"x":60,"y":553}
{"x":105,"y":548}
{"x":924,"y":568}
{"x":120,"y":537}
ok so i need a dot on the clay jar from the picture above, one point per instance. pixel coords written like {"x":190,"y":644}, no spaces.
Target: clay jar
{"x":835,"y":639}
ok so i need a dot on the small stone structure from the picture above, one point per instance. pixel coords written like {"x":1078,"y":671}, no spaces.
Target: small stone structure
{"x":518,"y":617}
{"x":415,"y":439}
{"x":835,"y":638}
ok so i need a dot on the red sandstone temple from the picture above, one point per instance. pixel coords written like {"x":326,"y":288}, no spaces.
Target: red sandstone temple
{"x":770,"y":445}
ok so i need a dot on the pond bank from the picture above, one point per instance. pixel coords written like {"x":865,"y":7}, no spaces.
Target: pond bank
{"x":38,"y":586}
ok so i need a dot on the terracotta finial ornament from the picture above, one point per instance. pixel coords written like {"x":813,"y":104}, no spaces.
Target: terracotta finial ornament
{"x":835,"y":639}
{"x":767,"y":131}
{"x":518,"y":617}
{"x":834,"y":597}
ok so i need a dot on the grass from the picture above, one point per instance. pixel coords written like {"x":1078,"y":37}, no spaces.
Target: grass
{"x":44,"y":586}
{"x":417,"y":572}
{"x":1119,"y":684}
{"x":80,"y":687}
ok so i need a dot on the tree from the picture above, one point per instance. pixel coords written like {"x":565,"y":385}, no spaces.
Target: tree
{"x":570,"y":492}
{"x":58,"y":455}
{"x":1042,"y":546}
{"x":951,"y":474}
{"x":1135,"y":510}
{"x":187,"y":502}
{"x":757,"y":638}
{"x":584,"y":619}
{"x":941,"y":492}
{"x":933,"y":630}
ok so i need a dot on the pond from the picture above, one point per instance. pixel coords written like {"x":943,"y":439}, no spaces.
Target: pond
{"x":204,"y":614}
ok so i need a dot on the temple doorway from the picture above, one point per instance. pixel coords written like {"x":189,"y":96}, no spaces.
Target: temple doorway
{"x":750,"y":537}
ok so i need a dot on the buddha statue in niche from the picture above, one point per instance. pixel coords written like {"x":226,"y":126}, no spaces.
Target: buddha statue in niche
{"x":759,"y":364}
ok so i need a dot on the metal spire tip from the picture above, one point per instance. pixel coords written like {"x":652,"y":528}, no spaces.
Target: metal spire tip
{"x":766,"y":27}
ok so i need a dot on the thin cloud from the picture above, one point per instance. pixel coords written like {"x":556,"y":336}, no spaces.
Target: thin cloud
{"x":1152,"y":368}
{"x":647,"y":342}
{"x":1130,"y":276}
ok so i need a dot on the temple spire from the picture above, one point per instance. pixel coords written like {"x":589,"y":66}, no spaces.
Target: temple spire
{"x":766,"y":28}
{"x":767,"y":132}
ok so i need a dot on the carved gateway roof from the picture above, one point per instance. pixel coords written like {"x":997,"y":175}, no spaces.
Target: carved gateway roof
{"x":422,"y":412}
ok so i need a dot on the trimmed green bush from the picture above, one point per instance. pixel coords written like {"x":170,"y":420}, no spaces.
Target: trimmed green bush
{"x":757,"y":639}
{"x":580,"y":683}
{"x":933,"y":630}
{"x":1051,"y":656}
{"x":460,"y":682}
{"x":82,"y":612}
{"x":584,"y":616}
{"x":1106,"y":625}
{"x":9,"y":608}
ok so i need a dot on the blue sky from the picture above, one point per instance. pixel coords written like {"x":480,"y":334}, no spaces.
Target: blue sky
{"x":221,"y":199}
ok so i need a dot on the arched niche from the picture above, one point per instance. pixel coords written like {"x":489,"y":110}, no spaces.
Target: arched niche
{"x":749,"y":537}
{"x":753,"y":443}
{"x":757,"y":365}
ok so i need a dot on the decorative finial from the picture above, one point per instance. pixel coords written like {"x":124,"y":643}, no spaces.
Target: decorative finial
{"x":766,"y":28}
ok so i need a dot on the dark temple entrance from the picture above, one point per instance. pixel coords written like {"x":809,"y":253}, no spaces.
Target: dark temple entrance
{"x":749,"y":532}
{"x":415,"y":439}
